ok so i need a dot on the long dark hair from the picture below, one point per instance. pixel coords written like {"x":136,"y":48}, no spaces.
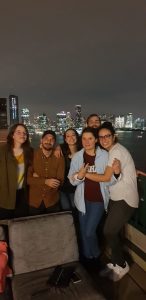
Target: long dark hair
{"x":65,"y":147}
{"x":110,"y":127}
{"x":27,"y":149}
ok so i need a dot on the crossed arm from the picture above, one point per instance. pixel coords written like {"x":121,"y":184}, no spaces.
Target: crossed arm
{"x":109,"y":171}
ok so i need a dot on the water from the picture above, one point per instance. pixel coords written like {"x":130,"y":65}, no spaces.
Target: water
{"x":134,"y":141}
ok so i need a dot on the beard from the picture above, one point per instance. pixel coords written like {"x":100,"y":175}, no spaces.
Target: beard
{"x":47,"y":147}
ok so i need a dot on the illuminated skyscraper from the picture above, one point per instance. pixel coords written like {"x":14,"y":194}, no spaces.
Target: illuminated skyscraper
{"x":3,"y":113}
{"x":61,"y":121}
{"x":69,"y":120}
{"x":120,"y":122}
{"x":139,"y":123}
{"x":129,"y":121}
{"x":25,"y":116}
{"x":42,"y":121}
{"x":78,"y":116}
{"x":14,"y":109}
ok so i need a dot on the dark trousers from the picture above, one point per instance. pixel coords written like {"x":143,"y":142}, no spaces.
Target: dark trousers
{"x":21,"y":207}
{"x":20,"y":210}
{"x":42,"y":209}
{"x":67,"y":201}
{"x":119,"y":213}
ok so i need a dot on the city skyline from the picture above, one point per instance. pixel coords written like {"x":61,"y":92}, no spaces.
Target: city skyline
{"x":27,"y":117}
{"x":55,"y":55}
{"x":66,"y":120}
{"x":37,"y":123}
{"x":10,"y":113}
{"x":72,"y":112}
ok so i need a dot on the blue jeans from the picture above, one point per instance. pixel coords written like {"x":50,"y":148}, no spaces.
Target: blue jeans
{"x":88,"y":226}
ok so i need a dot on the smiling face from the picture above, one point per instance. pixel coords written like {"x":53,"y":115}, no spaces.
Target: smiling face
{"x":94,"y":122}
{"x":89,"y":141}
{"x":106,"y":138}
{"x":19,"y":135}
{"x":48,"y":142}
{"x":70,"y":137}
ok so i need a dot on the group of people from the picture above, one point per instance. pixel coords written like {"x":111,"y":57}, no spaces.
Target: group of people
{"x":90,"y":174}
{"x":22,"y":167}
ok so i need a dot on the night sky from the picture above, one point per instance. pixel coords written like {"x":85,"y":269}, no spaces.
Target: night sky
{"x":55,"y":54}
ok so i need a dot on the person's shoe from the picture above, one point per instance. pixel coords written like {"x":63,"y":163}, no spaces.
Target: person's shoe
{"x":119,"y":272}
{"x":106,"y":270}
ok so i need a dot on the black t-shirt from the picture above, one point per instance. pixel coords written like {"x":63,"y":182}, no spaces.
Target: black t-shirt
{"x":67,"y":186}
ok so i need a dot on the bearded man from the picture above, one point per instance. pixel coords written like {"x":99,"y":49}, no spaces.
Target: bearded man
{"x":45,"y":176}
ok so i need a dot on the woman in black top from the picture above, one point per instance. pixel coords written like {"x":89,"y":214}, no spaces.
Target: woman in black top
{"x":70,"y":146}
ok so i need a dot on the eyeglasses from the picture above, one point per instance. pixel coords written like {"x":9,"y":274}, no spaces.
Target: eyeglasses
{"x":103,"y":137}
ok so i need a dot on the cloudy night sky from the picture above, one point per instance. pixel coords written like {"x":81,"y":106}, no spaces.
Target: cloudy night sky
{"x":55,"y":54}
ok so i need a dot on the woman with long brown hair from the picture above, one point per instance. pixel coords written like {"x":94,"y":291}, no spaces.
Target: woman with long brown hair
{"x":123,"y":198}
{"x":15,"y":157}
{"x":69,"y":147}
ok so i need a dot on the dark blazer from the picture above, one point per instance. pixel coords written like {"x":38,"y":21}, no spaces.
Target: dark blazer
{"x":8,"y":177}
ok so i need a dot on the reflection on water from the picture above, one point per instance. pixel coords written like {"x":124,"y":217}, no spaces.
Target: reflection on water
{"x":134,"y":141}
